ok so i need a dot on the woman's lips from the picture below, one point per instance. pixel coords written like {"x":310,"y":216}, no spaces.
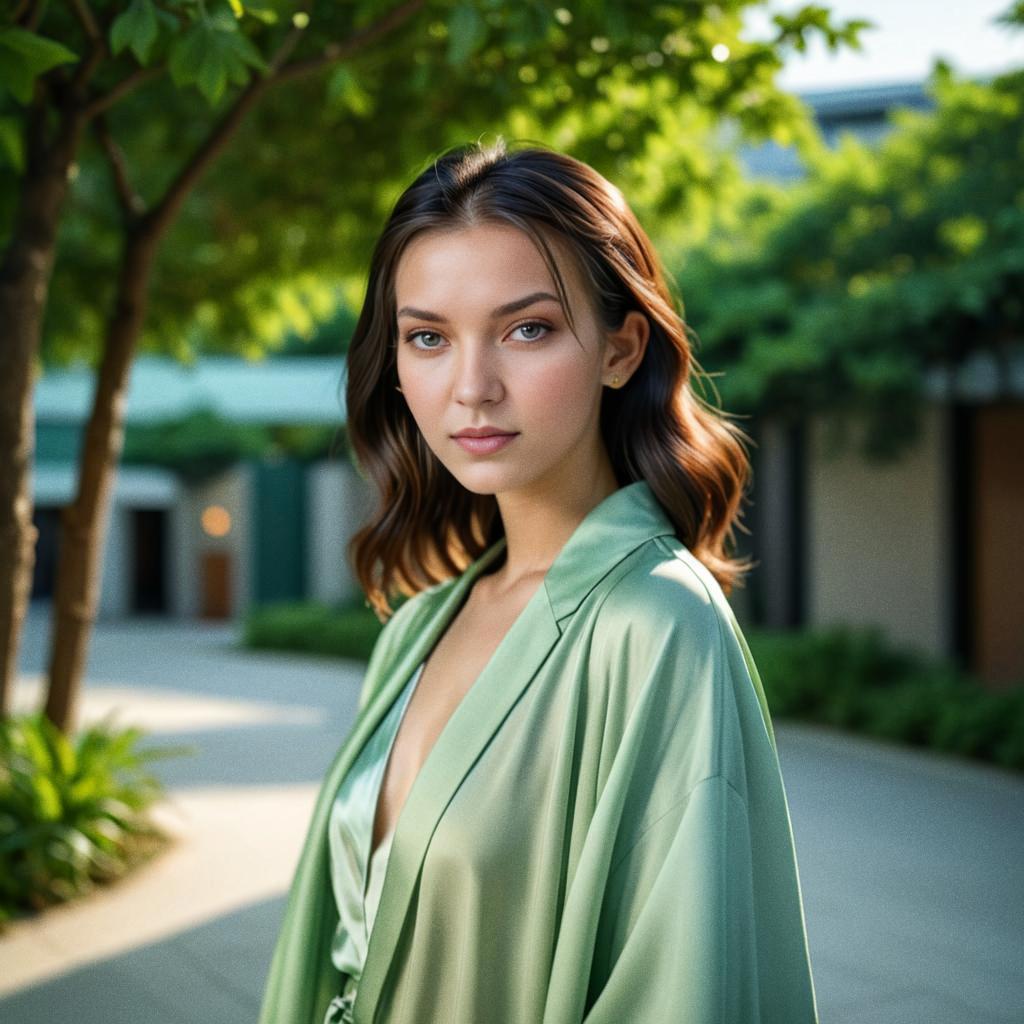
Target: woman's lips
{"x":485,"y":445}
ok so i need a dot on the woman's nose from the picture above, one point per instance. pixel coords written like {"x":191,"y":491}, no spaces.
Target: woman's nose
{"x":476,"y":376}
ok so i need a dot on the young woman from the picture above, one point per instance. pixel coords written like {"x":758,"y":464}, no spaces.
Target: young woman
{"x":560,"y":801}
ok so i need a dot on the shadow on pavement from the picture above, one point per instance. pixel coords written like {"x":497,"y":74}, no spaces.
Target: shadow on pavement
{"x":212,"y":973}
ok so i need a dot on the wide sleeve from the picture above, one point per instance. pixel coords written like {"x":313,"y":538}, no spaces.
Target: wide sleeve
{"x":700,"y":917}
{"x":682,"y":941}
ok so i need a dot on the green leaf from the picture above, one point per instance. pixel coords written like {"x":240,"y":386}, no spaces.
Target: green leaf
{"x":243,"y":48}
{"x":24,"y":56}
{"x":40,"y":53}
{"x":210,"y":53}
{"x":136,"y":28}
{"x":12,"y":145}
{"x":16,"y":77}
{"x":467,"y":31}
{"x":47,"y":798}
{"x":344,"y":91}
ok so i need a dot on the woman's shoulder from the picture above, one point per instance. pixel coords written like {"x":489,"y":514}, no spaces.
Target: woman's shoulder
{"x":662,"y":590}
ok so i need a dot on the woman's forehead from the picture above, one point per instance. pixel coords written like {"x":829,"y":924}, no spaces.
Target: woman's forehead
{"x":482,"y":258}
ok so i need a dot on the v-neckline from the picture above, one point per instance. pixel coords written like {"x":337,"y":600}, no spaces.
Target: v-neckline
{"x":418,"y":675}
{"x":371,"y":851}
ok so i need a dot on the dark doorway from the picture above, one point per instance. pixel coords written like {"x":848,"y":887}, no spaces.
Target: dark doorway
{"x":149,"y":589}
{"x":44,"y":574}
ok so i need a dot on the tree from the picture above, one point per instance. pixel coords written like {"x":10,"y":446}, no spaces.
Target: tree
{"x":250,"y":152}
{"x":887,"y":263}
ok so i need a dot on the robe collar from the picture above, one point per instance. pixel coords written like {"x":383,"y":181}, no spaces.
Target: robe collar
{"x":609,"y":532}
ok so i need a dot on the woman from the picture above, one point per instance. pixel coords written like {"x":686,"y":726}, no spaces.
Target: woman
{"x":560,"y":801}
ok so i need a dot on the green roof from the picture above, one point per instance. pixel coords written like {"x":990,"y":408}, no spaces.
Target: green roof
{"x":296,"y":389}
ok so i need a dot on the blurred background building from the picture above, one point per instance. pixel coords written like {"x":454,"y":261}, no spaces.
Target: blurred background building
{"x":263,"y":529}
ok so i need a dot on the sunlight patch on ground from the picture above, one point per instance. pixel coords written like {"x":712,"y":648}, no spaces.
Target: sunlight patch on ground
{"x":167,"y":711}
{"x":223,"y":860}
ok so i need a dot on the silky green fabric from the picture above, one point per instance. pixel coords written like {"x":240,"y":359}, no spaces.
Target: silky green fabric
{"x":600,"y":833}
{"x":356,"y":874}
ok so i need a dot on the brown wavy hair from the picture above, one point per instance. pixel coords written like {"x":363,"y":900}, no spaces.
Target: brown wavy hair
{"x":427,"y":526}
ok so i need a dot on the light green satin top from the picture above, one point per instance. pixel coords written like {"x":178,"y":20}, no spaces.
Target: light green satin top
{"x":356,"y":876}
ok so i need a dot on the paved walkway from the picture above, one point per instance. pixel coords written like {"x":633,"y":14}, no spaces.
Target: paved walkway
{"x":912,"y":865}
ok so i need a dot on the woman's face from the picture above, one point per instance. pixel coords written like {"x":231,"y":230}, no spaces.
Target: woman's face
{"x":465,"y":361}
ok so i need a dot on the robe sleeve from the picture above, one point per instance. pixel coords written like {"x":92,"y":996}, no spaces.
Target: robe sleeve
{"x":701,"y":916}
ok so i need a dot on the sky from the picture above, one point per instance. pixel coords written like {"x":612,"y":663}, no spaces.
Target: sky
{"x":909,"y":36}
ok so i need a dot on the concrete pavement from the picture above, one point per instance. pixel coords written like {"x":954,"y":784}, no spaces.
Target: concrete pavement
{"x":911,"y":864}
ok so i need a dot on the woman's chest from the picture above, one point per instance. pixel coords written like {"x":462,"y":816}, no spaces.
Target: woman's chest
{"x":451,"y":669}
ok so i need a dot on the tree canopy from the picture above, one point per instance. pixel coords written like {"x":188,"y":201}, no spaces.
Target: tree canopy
{"x":279,"y":229}
{"x":840,"y":292}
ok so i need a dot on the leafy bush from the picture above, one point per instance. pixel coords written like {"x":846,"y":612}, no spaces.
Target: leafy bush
{"x":854,"y":679}
{"x":346,"y":631}
{"x":72,"y":811}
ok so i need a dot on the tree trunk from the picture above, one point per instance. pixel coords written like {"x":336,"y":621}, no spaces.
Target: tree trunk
{"x":84,"y":520}
{"x":25,"y":274}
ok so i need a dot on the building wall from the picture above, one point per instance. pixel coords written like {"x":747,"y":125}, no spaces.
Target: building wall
{"x":775,"y":518}
{"x":878,"y":538}
{"x":277,"y":552}
{"x":339,"y":503}
{"x":189,"y":543}
{"x":997,"y":587}
{"x":115,"y":564}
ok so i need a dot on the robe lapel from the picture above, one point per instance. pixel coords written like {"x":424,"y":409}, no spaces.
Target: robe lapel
{"x":610,"y":531}
{"x":473,"y":722}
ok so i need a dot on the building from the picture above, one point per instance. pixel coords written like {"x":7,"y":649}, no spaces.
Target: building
{"x":928,"y":547}
{"x":264,"y":530}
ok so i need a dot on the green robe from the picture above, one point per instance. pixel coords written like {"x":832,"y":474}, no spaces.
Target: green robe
{"x":600,"y":833}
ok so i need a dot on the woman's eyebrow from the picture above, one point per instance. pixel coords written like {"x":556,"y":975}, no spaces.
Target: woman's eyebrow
{"x":509,"y":307}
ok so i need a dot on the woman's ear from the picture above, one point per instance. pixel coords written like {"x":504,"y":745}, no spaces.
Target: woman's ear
{"x":626,"y":346}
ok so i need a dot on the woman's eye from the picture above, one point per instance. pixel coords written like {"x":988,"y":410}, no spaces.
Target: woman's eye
{"x":533,"y":325}
{"x":535,"y":331}
{"x":419,"y":334}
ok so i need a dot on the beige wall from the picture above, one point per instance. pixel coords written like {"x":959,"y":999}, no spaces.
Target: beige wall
{"x":232,"y":490}
{"x":340,"y":502}
{"x":878,"y":539}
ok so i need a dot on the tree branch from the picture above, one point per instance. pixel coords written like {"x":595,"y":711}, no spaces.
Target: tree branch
{"x":334,"y":52}
{"x":132,"y":204}
{"x":86,"y":17}
{"x":35,"y":13}
{"x":97,"y":52}
{"x":162,"y":214}
{"x":127,"y":85}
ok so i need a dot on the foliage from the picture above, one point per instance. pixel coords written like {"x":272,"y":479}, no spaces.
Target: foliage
{"x":72,"y":811}
{"x":856,"y":680}
{"x":203,"y":444}
{"x":347,"y":631}
{"x":887,"y":262}
{"x":362,"y":95}
{"x":327,"y":339}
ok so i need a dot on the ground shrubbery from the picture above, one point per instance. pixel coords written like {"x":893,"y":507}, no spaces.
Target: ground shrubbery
{"x":313,"y":627}
{"x":848,"y":678}
{"x":73,"y":811}
{"x":855,"y":680}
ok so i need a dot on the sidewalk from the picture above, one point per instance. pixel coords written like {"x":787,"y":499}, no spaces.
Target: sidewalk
{"x":911,"y":864}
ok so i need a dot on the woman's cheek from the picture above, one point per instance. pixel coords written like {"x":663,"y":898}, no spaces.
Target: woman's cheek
{"x":560,"y":393}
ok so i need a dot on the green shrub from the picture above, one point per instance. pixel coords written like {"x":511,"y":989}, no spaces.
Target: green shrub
{"x":72,"y":811}
{"x":346,"y":631}
{"x":854,"y":679}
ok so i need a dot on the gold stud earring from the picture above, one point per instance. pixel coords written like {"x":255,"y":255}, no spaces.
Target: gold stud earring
{"x":615,"y":380}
